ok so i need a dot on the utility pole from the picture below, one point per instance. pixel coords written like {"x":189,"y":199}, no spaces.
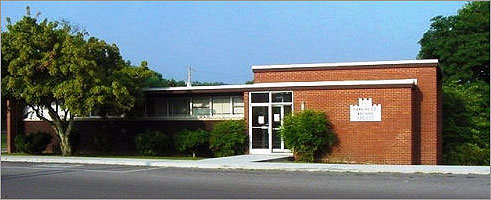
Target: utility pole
{"x":188,"y":83}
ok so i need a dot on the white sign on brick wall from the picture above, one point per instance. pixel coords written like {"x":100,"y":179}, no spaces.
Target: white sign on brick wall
{"x":365,"y":111}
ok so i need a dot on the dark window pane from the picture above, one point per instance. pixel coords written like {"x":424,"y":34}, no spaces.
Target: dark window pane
{"x":151,"y":106}
{"x":287,"y":110}
{"x":276,"y":117}
{"x":179,"y":107}
{"x":276,"y":139}
{"x":260,"y":139}
{"x":282,"y":97}
{"x":260,"y":116}
{"x":260,"y":98}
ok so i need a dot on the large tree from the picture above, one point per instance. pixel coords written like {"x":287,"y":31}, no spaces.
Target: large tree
{"x":49,"y":65}
{"x":461,"y":44}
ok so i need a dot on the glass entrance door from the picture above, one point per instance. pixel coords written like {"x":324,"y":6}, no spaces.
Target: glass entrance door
{"x":266,"y":113}
{"x":279,"y":112}
{"x":260,"y":128}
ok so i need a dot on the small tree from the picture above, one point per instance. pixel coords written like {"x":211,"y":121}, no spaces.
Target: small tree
{"x":49,"y":66}
{"x":306,"y":133}
{"x":188,"y":141}
{"x":228,"y":138}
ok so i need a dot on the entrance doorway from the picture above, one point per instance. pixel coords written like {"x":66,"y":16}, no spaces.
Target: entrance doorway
{"x":267,"y":111}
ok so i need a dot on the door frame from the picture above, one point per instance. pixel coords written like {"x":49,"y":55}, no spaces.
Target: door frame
{"x":282,"y":117}
{"x":269,"y":104}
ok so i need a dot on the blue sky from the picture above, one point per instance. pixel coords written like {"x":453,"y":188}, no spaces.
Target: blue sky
{"x":221,"y":40}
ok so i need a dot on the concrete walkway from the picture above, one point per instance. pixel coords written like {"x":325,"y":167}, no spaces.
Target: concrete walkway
{"x":252,"y":162}
{"x":243,"y":159}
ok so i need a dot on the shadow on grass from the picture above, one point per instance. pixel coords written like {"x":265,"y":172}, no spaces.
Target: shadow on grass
{"x":114,"y":156}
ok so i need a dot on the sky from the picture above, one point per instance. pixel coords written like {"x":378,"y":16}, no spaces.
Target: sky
{"x":222,"y":40}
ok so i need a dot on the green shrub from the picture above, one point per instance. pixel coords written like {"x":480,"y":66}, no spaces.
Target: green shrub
{"x":103,"y":141}
{"x":228,"y":138}
{"x":188,"y":141}
{"x":151,"y":143}
{"x":307,"y":133}
{"x":33,"y":143}
{"x":467,"y":154}
{"x":21,"y":143}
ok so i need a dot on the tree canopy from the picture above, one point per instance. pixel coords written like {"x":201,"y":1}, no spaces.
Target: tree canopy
{"x":49,"y":65}
{"x":156,"y":80}
{"x":461,"y":44}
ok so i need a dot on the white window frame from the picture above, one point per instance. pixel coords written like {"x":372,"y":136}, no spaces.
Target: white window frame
{"x":222,"y":97}
{"x":270,"y":125}
{"x":190,"y":116}
{"x":210,"y":107}
{"x":232,"y":105}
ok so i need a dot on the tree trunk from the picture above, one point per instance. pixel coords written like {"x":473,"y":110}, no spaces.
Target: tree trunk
{"x":66,"y":148}
{"x":62,"y":127}
{"x":63,"y":130}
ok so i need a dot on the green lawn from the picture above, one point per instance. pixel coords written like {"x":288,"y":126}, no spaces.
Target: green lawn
{"x":135,"y":157}
{"x":146,"y":157}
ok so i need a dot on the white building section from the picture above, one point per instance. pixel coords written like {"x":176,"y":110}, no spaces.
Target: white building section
{"x":292,"y":84}
{"x":30,"y":114}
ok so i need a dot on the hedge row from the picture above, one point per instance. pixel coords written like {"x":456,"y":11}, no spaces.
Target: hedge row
{"x":34,"y":143}
{"x":306,"y":133}
{"x":226,"y":138}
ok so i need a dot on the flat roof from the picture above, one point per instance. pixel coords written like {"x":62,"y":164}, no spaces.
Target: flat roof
{"x":346,"y":64}
{"x":288,"y":84}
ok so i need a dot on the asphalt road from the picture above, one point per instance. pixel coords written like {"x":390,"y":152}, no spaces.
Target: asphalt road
{"x":36,"y":180}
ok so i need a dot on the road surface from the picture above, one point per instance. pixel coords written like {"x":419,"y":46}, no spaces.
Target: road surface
{"x":38,"y":180}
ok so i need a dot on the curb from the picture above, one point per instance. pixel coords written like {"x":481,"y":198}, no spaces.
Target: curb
{"x":315,"y":167}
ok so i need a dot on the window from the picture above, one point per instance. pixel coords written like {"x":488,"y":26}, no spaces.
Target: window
{"x":179,"y":106}
{"x":156,"y":106}
{"x":260,"y":97}
{"x":238,"y":104}
{"x":201,"y":106}
{"x":161,"y":106}
{"x":221,"y":105}
{"x":150,"y":108}
{"x":281,"y":96}
{"x":194,"y":107}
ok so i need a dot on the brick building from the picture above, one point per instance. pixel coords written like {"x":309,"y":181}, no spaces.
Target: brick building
{"x":384,"y":112}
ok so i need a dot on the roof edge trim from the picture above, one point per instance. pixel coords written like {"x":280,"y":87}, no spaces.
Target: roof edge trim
{"x":345,"y":64}
{"x":291,"y":84}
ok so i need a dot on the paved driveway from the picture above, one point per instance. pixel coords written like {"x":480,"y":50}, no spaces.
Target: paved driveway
{"x":45,"y":180}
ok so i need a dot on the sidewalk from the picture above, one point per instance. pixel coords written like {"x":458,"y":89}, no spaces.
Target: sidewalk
{"x":253,"y":162}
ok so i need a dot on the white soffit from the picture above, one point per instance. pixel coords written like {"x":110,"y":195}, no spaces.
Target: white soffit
{"x":346,"y":64}
{"x":292,"y":84}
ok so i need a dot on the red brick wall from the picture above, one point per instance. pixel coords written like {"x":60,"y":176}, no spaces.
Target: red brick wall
{"x":430,"y":129}
{"x":416,"y":117}
{"x":385,"y":142}
{"x":246,"y":118}
{"x":36,"y":126}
